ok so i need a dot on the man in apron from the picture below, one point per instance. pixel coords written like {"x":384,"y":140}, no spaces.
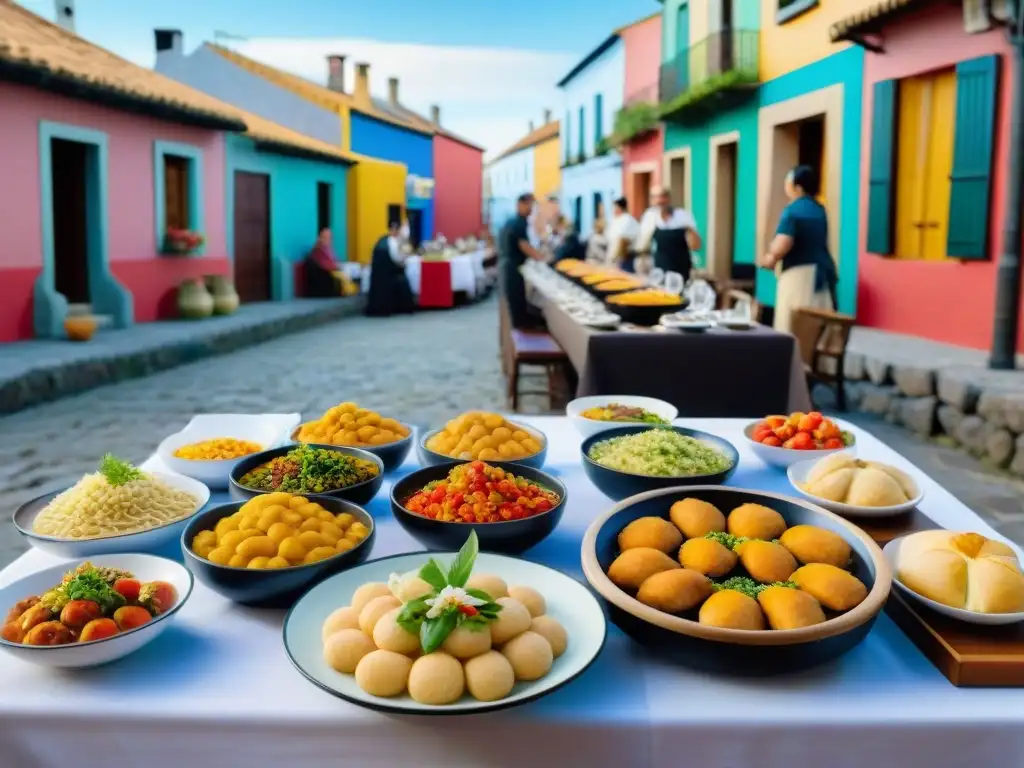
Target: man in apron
{"x":515,"y":250}
{"x":672,"y":235}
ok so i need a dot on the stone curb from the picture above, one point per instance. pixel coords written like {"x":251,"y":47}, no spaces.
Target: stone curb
{"x":63,"y":379}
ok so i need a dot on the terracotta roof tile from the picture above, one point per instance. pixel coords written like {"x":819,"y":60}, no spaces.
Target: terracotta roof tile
{"x":538,"y":136}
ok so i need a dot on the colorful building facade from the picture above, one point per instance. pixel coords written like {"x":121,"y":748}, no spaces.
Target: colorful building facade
{"x":637,"y":132}
{"x":937,"y":108}
{"x":591,"y":167}
{"x":531,"y":165}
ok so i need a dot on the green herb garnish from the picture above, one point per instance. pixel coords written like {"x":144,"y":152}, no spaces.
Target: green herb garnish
{"x":727,"y":540}
{"x":118,"y":471}
{"x":847,"y":437}
{"x":91,"y":585}
{"x":747,"y":586}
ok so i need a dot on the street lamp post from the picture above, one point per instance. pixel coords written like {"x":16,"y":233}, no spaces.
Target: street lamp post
{"x":1008,"y":273}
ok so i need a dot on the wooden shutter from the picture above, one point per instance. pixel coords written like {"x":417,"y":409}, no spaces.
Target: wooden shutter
{"x":598,"y":118}
{"x":176,"y":192}
{"x":880,"y":180}
{"x":971,"y":180}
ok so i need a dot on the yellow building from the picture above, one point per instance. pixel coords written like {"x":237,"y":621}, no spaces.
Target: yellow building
{"x":532,"y":164}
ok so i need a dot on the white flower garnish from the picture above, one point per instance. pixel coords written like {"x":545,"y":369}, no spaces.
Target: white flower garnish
{"x":395,"y":584}
{"x":450,"y":597}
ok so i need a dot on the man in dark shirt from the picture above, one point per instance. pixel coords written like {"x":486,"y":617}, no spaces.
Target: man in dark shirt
{"x":515,"y":250}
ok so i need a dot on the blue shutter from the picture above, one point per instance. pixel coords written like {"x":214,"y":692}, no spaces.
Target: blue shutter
{"x":974,"y":135}
{"x":583,"y":135}
{"x":567,"y":136}
{"x":598,"y":118}
{"x":880,"y":181}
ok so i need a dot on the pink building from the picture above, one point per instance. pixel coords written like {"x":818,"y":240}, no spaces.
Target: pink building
{"x":458,"y":184}
{"x":642,"y":149}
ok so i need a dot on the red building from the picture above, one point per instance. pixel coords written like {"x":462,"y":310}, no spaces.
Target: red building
{"x":641,"y":151}
{"x":458,"y":184}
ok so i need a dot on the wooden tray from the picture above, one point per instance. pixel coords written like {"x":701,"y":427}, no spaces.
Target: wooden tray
{"x":967,"y":654}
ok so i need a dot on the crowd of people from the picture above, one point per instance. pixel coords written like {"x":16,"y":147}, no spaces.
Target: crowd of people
{"x":666,"y":237}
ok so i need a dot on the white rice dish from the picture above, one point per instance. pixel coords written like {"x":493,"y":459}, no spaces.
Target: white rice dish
{"x":659,"y":453}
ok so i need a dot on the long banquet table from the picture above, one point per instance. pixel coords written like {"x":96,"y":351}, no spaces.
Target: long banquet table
{"x":718,"y":373}
{"x":216,"y":689}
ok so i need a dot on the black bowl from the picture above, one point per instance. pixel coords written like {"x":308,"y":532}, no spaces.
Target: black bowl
{"x":616,"y":484}
{"x":392,"y":454}
{"x":644,"y":315}
{"x":730,"y":651}
{"x":271,"y":588}
{"x":430,"y":458}
{"x":360,"y":493}
{"x":510,"y":537}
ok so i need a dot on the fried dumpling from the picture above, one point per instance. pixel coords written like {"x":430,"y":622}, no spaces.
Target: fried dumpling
{"x":766,"y":561}
{"x":810,"y":544}
{"x":755,"y":521}
{"x":630,"y":569}
{"x":834,"y":486}
{"x":654,"y":532}
{"x":829,"y":464}
{"x":730,"y":609}
{"x":874,"y":488}
{"x":707,"y":556}
{"x":788,"y":608}
{"x":695,"y":517}
{"x":674,"y":591}
{"x":833,"y":587}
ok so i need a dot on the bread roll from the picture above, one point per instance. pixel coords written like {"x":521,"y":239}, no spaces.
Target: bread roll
{"x":874,"y":488}
{"x":835,"y":486}
{"x":829,"y":464}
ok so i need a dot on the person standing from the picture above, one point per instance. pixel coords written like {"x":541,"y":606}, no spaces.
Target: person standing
{"x":515,"y":250}
{"x":622,"y":236}
{"x":672,"y":233}
{"x":597,"y":244}
{"x":808,"y":275}
{"x":323,"y":273}
{"x":389,"y":287}
{"x":569,"y":245}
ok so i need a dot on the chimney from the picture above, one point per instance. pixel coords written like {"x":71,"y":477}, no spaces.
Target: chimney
{"x":336,"y":72}
{"x":547,"y":116}
{"x":168,"y":41}
{"x":435,"y":115}
{"x":362,"y":91}
{"x":531,"y":126}
{"x":393,"y":91}
{"x":65,"y":14}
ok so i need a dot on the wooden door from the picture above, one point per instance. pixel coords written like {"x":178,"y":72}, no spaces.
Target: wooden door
{"x":70,"y":230}
{"x":252,"y":236}
{"x":176,"y":186}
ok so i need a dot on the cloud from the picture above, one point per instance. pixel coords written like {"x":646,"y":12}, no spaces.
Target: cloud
{"x":487,"y":95}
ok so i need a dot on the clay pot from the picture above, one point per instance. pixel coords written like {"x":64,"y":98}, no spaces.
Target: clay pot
{"x":225,"y":297}
{"x":80,"y":328}
{"x":194,"y":301}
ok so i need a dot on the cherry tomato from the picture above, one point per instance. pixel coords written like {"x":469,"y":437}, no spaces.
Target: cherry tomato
{"x":833,"y":443}
{"x":801,"y":441}
{"x":761,"y":433}
{"x":773,"y":441}
{"x":128,"y":589}
{"x":810,"y":422}
{"x":468,"y":610}
{"x":785,"y":432}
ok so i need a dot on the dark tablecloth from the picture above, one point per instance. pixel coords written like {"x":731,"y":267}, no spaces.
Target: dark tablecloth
{"x":718,"y":373}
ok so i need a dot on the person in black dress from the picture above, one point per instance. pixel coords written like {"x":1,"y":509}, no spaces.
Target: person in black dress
{"x":569,"y":246}
{"x":515,"y":250}
{"x":389,"y":288}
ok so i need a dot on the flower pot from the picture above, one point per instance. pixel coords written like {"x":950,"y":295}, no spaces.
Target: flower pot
{"x":225,"y":297}
{"x":194,"y":301}
{"x":80,"y":328}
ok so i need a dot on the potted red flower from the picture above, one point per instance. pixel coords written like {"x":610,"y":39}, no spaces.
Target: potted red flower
{"x":182,"y":241}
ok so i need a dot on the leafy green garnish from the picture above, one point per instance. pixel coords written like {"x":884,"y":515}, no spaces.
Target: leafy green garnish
{"x":118,"y":471}
{"x":847,"y":437}
{"x":91,"y":585}
{"x":411,"y":616}
{"x":727,"y":540}
{"x":747,"y":586}
{"x":433,"y":632}
{"x":433,"y":574}
{"x":462,"y":565}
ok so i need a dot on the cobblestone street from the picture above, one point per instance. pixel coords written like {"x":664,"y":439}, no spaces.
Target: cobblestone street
{"x":423,"y":369}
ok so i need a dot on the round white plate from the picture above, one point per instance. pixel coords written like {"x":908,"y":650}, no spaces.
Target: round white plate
{"x":601,"y":321}
{"x":588,"y":427}
{"x":891,"y":552}
{"x":92,"y":654}
{"x":151,"y":540}
{"x":568,"y":601}
{"x":797,"y":474}
{"x":785,"y":457}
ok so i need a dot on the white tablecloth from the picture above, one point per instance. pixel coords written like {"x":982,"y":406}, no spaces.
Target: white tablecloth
{"x":467,"y":273}
{"x":217,"y":689}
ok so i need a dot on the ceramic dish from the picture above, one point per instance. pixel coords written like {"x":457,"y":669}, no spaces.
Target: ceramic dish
{"x":268,"y":431}
{"x":646,"y":315}
{"x":616,"y":484}
{"x":786,"y":457}
{"x":276,"y":587}
{"x":568,"y":601}
{"x":392,"y":454}
{"x":360,"y":493}
{"x":512,"y":536}
{"x":891,"y":552}
{"x":733,"y":651}
{"x":797,"y":474}
{"x":151,"y":540}
{"x":693,"y":325}
{"x":587,"y":427}
{"x":92,"y":654}
{"x":601,"y":321}
{"x":429,"y":458}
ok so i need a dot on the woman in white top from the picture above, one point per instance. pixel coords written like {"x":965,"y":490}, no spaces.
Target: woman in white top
{"x":622,"y":237}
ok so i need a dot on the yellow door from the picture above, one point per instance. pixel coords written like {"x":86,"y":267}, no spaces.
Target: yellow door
{"x":912,"y":154}
{"x":940,"y":165}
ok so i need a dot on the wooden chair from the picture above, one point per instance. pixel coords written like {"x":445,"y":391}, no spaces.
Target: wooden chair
{"x":533,"y":348}
{"x":733,"y":296}
{"x":822,"y":336}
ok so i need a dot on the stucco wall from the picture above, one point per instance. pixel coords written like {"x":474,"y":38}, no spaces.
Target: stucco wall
{"x":547,"y":172}
{"x":510,"y":177}
{"x":373,"y":185}
{"x":953,"y":301}
{"x":803,"y":39}
{"x":606,"y":76}
{"x":458,"y":176}
{"x":642,"y":43}
{"x":293,"y":207}
{"x":132,"y":242}
{"x":601,"y":175}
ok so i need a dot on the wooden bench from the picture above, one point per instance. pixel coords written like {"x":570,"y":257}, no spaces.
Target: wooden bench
{"x":822,"y":336}
{"x":533,"y":348}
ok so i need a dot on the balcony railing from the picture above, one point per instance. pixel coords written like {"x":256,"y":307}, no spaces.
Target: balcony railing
{"x":645,"y":95}
{"x":732,"y":51}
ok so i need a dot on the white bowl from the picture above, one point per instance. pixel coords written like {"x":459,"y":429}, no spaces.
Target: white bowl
{"x":786,"y":457}
{"x":588,"y":427}
{"x":568,"y":601}
{"x":797,"y":474}
{"x":891,"y":552}
{"x":154,"y":539}
{"x":267,"y":431}
{"x":92,"y":654}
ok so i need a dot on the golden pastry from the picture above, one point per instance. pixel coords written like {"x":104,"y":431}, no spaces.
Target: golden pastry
{"x":708,"y":557}
{"x":654,"y":532}
{"x":833,"y":587}
{"x":695,"y":517}
{"x":674,"y":591}
{"x":810,"y":544}
{"x":766,"y":561}
{"x":754,"y":521}
{"x":630,"y":569}
{"x":729,"y":609}
{"x":788,"y":608}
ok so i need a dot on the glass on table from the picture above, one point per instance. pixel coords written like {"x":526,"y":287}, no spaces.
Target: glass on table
{"x":674,"y":282}
{"x":656,"y":277}
{"x":701,"y":296}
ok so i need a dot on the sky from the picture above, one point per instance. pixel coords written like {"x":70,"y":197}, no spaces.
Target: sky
{"x":490,"y":66}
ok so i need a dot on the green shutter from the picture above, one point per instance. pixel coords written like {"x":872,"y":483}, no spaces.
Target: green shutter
{"x":971,"y":181}
{"x":598,"y":127}
{"x":581,"y":151}
{"x":880,"y":180}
